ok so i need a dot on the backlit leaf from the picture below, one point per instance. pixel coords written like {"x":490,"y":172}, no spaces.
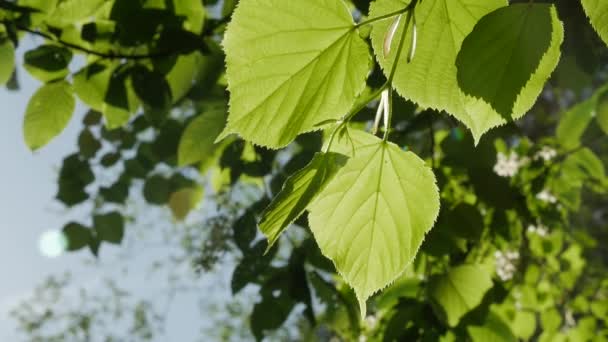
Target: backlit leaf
{"x":197,"y":141}
{"x":597,"y":10}
{"x":500,"y":86}
{"x":48,"y":113}
{"x":298,"y":192}
{"x":371,"y":219}
{"x":291,"y":65}
{"x":7,"y":56}
{"x":430,"y":77}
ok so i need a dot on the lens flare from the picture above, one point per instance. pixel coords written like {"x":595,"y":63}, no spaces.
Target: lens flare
{"x":52,"y":243}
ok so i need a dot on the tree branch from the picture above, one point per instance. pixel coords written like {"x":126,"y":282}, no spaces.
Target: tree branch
{"x":107,"y":54}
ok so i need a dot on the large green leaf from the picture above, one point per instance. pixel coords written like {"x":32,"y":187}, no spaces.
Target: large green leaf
{"x":503,"y":86}
{"x":48,"y":113}
{"x":458,"y":291}
{"x":370,"y":220}
{"x":291,"y":65}
{"x":597,"y":11}
{"x":298,"y":192}
{"x":430,"y":78}
{"x":7,"y":56}
{"x":197,"y":142}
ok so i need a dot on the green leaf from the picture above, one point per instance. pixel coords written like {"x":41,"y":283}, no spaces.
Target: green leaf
{"x":458,"y":291}
{"x":601,"y":109}
{"x":494,"y":329}
{"x":298,"y":192}
{"x":197,"y":141}
{"x":70,"y":12}
{"x":370,"y":220}
{"x":574,"y":122}
{"x":181,"y":202}
{"x":120,"y":100}
{"x":109,"y":227}
{"x":7,"y":56}
{"x":430,"y":79}
{"x":524,"y":324}
{"x":597,"y":10}
{"x":105,"y":87}
{"x":48,"y":62}
{"x":151,"y":88}
{"x":77,"y":235}
{"x":48,"y":113}
{"x":503,"y":86}
{"x":157,"y":190}
{"x":91,"y":84}
{"x":289,"y":66}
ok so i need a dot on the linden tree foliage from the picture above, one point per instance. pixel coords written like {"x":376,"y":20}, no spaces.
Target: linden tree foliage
{"x":383,"y":149}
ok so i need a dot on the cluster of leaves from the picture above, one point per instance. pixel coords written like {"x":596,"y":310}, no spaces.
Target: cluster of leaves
{"x":300,"y":75}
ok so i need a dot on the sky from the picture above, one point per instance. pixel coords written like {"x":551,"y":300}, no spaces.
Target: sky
{"x":28,"y":209}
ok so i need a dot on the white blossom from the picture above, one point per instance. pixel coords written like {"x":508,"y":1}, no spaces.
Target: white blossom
{"x":507,"y":166}
{"x":546,"y":153}
{"x":505,"y":264}
{"x":546,"y":196}
{"x":539,"y":229}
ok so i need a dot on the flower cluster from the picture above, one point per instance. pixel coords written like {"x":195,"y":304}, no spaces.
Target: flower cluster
{"x":546,"y":153}
{"x":505,"y":264}
{"x":507,"y":166}
{"x":546,"y":196}
{"x":538,"y":229}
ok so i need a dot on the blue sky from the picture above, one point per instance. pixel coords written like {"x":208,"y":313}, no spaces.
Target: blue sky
{"x":26,"y":201}
{"x":28,"y":209}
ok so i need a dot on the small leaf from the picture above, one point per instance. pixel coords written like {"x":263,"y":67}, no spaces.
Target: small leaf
{"x":458,"y":291}
{"x":7,"y":56}
{"x":77,"y":235}
{"x":48,"y":113}
{"x":289,"y":66}
{"x":109,"y":227}
{"x":183,"y":201}
{"x":197,"y":141}
{"x":151,"y":88}
{"x":48,"y":62}
{"x":574,"y":122}
{"x":494,"y":329}
{"x":597,"y":10}
{"x":371,"y":219}
{"x":298,"y":192}
{"x":157,"y":190}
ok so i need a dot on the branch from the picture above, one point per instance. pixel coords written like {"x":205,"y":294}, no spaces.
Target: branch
{"x":108,"y":55}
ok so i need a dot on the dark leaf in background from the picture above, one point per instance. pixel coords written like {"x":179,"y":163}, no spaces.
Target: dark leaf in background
{"x":88,"y":145}
{"x":157,"y":190}
{"x":109,"y":227}
{"x":77,"y":235}
{"x":92,"y":118}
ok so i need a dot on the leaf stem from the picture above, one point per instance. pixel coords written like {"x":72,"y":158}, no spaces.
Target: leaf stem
{"x":410,"y":6}
{"x":382,"y":17}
